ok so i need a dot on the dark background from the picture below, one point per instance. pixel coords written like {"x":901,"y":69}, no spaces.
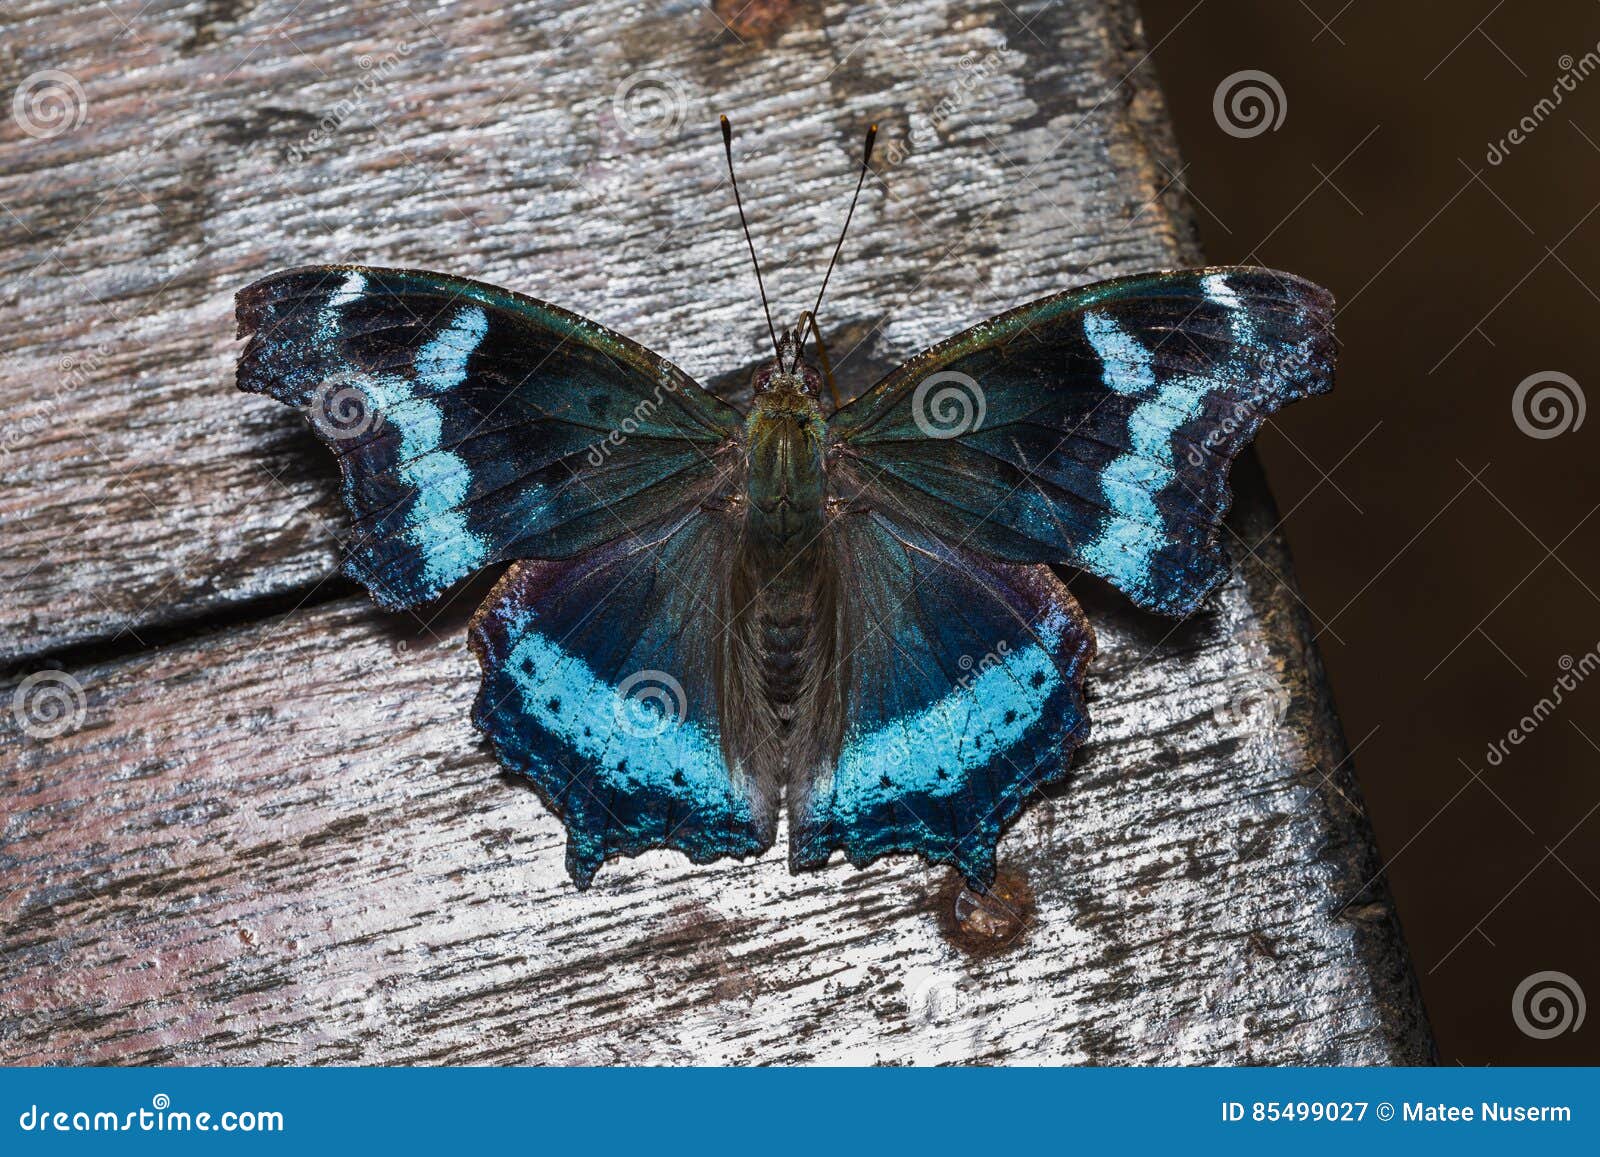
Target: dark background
{"x":1448,"y":557}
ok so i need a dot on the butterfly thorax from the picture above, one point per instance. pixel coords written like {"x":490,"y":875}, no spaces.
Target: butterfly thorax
{"x":784,"y":436}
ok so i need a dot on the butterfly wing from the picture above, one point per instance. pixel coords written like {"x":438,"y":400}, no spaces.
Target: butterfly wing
{"x":600,"y":684}
{"x":963,"y":678}
{"x":1095,"y":427}
{"x":474,"y":425}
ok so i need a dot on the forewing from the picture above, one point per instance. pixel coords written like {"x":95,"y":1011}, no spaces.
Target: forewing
{"x":1095,"y":427}
{"x":474,"y":425}
{"x":600,"y":682}
{"x":964,"y":695}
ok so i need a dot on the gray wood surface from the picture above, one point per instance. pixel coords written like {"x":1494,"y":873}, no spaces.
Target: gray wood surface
{"x":280,"y":839}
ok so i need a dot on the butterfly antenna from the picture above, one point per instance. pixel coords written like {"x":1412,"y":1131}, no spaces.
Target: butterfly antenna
{"x":727,"y":147}
{"x":866,"y":158}
{"x":809,"y":318}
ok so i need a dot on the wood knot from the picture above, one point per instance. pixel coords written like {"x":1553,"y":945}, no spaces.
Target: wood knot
{"x":983,"y":923}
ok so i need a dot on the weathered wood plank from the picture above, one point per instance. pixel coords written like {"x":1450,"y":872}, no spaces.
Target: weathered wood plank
{"x":287,"y":844}
{"x":493,"y":140}
{"x":284,"y":842}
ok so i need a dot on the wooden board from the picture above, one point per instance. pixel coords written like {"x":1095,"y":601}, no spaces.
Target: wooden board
{"x":280,"y":840}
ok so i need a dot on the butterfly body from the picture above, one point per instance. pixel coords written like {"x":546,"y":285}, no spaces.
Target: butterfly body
{"x":784,"y":584}
{"x":714,"y":617}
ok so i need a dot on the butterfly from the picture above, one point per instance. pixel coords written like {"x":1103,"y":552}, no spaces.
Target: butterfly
{"x":712,"y":616}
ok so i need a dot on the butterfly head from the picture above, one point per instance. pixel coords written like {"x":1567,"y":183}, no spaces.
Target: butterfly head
{"x":787,"y":373}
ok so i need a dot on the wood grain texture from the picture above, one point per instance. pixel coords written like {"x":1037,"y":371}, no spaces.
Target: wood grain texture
{"x":282,"y":841}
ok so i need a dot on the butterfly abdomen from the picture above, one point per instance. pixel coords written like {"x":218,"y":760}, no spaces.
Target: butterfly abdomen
{"x":787,"y":624}
{"x":783,"y":635}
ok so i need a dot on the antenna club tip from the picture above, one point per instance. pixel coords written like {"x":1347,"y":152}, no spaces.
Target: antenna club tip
{"x":727,"y":130}
{"x":872,"y":136}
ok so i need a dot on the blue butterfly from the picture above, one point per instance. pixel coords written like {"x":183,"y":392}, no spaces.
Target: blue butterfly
{"x":712,"y":615}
